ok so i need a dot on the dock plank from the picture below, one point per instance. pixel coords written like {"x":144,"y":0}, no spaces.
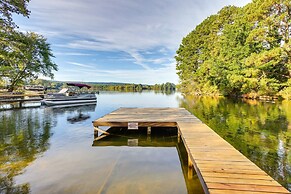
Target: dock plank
{"x":220,"y":167}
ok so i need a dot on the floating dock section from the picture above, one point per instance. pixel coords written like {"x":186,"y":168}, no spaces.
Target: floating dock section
{"x":220,"y":167}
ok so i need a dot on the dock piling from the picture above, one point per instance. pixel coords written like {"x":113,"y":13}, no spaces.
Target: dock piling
{"x":149,"y":130}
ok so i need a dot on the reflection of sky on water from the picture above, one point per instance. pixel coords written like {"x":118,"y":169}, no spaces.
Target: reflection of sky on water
{"x":110,"y":169}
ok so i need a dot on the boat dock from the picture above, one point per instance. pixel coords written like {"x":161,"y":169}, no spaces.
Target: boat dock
{"x":220,"y":167}
{"x":21,"y":98}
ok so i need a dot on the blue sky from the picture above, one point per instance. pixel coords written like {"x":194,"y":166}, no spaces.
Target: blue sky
{"x":132,"y":41}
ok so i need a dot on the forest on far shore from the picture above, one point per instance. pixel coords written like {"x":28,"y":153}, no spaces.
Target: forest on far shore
{"x":54,"y":86}
{"x":240,"y":51}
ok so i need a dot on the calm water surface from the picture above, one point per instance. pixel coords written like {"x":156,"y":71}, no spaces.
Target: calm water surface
{"x":52,"y":150}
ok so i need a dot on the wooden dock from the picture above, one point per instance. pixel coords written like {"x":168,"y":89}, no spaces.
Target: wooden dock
{"x":21,"y":98}
{"x":220,"y":167}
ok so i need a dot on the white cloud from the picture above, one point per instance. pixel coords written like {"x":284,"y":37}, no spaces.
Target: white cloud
{"x":71,"y":54}
{"x":136,"y":27}
{"x":123,"y":25}
{"x":151,"y":76}
{"x":80,"y":64}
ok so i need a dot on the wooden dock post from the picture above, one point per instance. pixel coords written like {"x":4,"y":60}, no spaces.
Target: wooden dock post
{"x":190,"y":173}
{"x":190,"y":164}
{"x":179,"y":136}
{"x":95,"y":132}
{"x":190,"y":168}
{"x":149,"y":130}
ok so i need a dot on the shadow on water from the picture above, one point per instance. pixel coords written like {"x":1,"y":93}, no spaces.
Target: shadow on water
{"x":259,"y":130}
{"x":159,"y":138}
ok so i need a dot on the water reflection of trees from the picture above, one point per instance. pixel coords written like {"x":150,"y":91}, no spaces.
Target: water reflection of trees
{"x":24,"y":134}
{"x":260,"y":130}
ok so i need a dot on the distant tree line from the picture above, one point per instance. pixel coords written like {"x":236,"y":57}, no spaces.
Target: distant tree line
{"x":134,"y":87}
{"x":123,"y":87}
{"x":239,"y":52}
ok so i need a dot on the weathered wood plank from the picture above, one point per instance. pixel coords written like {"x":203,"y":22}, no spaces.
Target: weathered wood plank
{"x":244,"y":181}
{"x":222,"y":191}
{"x":235,"y":166}
{"x":250,"y":188}
{"x":251,"y":177}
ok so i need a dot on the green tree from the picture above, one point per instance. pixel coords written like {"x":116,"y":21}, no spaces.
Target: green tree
{"x":23,"y":56}
{"x":7,"y":7}
{"x":29,"y":57}
{"x":239,"y":51}
{"x":269,"y":42}
{"x":197,"y":62}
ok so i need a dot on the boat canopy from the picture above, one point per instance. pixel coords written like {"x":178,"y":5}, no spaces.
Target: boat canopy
{"x":79,"y":85}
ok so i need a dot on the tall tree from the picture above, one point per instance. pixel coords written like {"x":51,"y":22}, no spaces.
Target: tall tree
{"x":197,"y":62}
{"x":23,"y":56}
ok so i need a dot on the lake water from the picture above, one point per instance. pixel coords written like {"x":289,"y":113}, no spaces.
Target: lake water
{"x":52,"y":150}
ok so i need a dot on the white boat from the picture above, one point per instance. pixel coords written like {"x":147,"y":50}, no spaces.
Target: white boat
{"x":65,"y":97}
{"x":88,"y":98}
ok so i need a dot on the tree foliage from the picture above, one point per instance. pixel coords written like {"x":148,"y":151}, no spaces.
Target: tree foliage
{"x":23,"y":56}
{"x":8,"y":7}
{"x":239,"y":51}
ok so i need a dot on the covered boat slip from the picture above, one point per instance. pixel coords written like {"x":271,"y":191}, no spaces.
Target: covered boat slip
{"x":219,"y":166}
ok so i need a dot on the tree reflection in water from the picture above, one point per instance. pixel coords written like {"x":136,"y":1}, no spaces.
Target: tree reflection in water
{"x":260,"y":130}
{"x":24,"y":134}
